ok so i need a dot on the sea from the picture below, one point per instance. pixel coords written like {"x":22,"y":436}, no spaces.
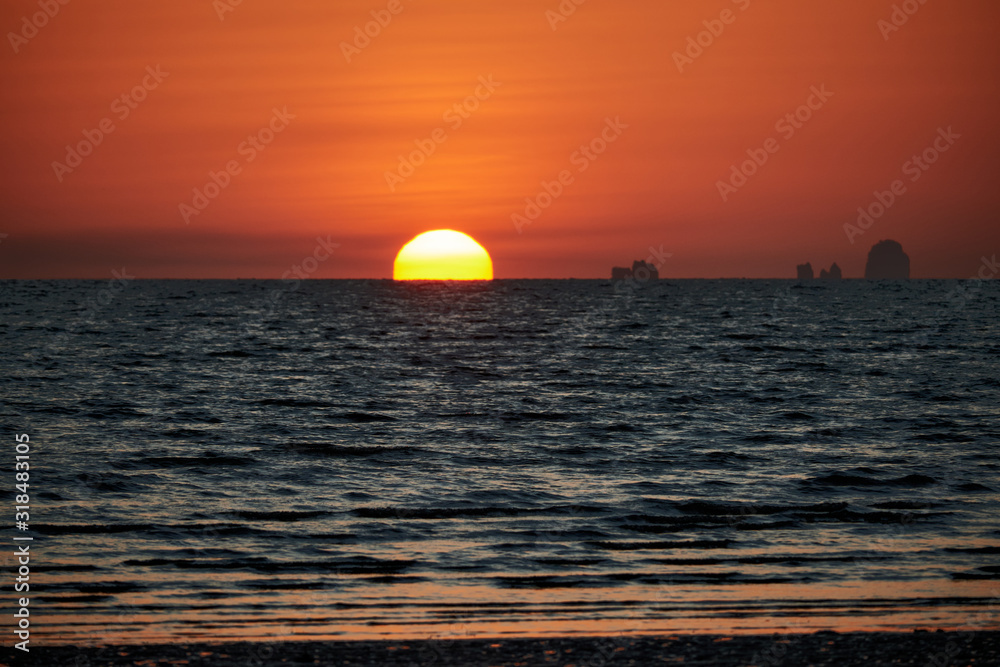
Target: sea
{"x":369,"y":459}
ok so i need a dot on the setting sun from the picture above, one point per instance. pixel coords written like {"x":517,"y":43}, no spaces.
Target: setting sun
{"x":443,"y":254}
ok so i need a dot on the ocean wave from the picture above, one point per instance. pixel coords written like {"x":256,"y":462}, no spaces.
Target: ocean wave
{"x":276,"y":515}
{"x":471,"y":512}
{"x":847,"y":479}
{"x":660,"y":545}
{"x":749,"y":509}
{"x":349,"y":565}
{"x":204,"y":460}
{"x":347,"y":451}
{"x":365,"y":417}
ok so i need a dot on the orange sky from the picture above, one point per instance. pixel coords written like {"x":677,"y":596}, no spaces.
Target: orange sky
{"x":324,"y":173}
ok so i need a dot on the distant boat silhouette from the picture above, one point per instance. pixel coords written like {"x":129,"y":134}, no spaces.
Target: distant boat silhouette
{"x":805,"y":271}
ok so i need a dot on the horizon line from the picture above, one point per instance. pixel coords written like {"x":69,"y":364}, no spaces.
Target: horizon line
{"x":812,"y":280}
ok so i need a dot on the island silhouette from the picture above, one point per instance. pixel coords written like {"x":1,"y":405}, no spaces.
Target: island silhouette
{"x":833,"y":274}
{"x":641,"y":271}
{"x":887,"y":261}
{"x":805,"y":272}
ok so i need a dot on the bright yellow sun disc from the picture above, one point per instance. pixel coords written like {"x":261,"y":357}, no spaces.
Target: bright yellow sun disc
{"x":443,"y":254}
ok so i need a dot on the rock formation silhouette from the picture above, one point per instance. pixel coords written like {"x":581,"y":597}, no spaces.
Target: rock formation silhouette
{"x":833,"y":274}
{"x":805,"y":271}
{"x":641,"y":271}
{"x":887,"y":261}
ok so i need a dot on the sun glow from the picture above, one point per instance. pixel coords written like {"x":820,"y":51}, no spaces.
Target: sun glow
{"x":443,"y":254}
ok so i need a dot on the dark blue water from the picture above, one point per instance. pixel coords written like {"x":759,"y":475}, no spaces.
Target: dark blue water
{"x":214,"y":459}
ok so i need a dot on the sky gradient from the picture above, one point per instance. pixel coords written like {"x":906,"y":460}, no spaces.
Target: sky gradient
{"x":303,"y":124}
